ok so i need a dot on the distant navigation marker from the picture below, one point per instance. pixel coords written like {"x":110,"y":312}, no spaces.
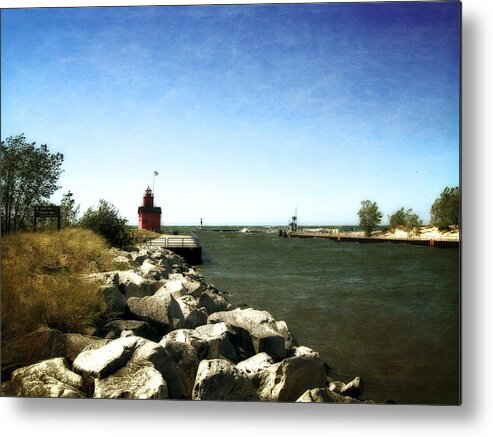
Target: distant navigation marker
{"x":293,"y":226}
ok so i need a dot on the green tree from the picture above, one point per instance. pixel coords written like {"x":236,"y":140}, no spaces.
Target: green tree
{"x":105,"y":221}
{"x":29,"y":177}
{"x":398,"y":219}
{"x":369,"y":216}
{"x":68,"y":210}
{"x":404,"y":219}
{"x":445,"y":211}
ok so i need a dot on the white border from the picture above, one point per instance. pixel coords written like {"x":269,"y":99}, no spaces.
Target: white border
{"x":83,"y":417}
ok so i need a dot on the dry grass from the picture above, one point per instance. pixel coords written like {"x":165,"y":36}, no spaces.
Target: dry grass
{"x":41,"y":284}
{"x":138,"y":235}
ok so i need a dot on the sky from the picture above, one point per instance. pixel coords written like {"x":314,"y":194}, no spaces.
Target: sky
{"x":248,"y":112}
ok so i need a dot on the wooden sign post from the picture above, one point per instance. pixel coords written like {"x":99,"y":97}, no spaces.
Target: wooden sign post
{"x":47,"y":211}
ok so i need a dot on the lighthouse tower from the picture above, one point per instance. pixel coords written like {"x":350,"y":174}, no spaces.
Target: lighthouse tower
{"x":149,"y":215}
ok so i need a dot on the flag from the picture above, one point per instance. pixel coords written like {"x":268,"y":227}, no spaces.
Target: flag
{"x":156,"y":173}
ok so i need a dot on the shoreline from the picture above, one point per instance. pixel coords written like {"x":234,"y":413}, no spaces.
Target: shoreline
{"x":177,"y":337}
{"x":425,"y":236}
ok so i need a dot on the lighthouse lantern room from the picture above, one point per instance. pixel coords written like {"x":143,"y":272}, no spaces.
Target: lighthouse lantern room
{"x":149,"y":215}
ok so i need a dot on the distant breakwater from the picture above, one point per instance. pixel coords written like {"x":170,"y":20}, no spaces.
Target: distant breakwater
{"x":173,"y":336}
{"x":359,"y":237}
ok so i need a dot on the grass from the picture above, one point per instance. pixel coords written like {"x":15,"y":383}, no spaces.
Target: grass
{"x":42,"y":285}
{"x":138,"y":235}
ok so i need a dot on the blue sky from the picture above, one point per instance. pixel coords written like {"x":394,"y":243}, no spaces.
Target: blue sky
{"x":246,"y":111}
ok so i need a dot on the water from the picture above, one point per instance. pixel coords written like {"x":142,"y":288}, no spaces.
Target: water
{"x":387,"y":313}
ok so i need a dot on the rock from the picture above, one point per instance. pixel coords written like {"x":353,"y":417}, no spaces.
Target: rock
{"x":76,"y":343}
{"x":131,"y":284}
{"x":132,"y":383}
{"x":213,"y":302}
{"x":173,"y":287}
{"x":322,"y":394}
{"x":45,"y":343}
{"x":118,"y":252}
{"x":187,"y":361}
{"x":123,"y":263}
{"x":336,"y":386}
{"x":221,"y":340}
{"x":158,"y":254}
{"x":180,"y":285}
{"x":112,"y":366}
{"x":175,"y":260}
{"x":254,"y":365}
{"x":190,"y":337}
{"x":218,"y":379}
{"x":209,"y":341}
{"x":105,"y":360}
{"x":49,"y":378}
{"x":162,"y":311}
{"x":260,"y":325}
{"x":196,"y":318}
{"x":192,"y":315}
{"x":289,"y":379}
{"x":150,"y":354}
{"x":318,"y":394}
{"x":140,"y":256}
{"x":114,"y":301}
{"x":107,"y":278}
{"x":300,"y":351}
{"x":289,"y":341}
{"x":139,"y":328}
{"x":150,"y":270}
{"x":194,"y":286}
{"x":353,"y":388}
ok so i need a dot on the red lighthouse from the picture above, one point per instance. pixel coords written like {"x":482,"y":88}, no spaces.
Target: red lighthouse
{"x":149,"y":215}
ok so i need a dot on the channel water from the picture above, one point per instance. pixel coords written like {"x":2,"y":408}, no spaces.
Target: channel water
{"x":385,"y":312}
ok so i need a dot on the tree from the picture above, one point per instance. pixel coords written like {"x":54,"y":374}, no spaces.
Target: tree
{"x":68,"y":210}
{"x":445,"y":211}
{"x":29,"y":176}
{"x":105,"y":221}
{"x":369,"y":216}
{"x":405,"y":219}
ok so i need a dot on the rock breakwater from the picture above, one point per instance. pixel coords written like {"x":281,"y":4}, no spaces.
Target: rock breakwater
{"x":173,"y":336}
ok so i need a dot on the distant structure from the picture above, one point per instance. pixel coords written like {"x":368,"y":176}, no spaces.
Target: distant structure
{"x":149,"y":215}
{"x":293,"y":226}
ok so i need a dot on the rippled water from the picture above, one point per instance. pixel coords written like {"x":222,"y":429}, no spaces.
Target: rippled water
{"x":387,"y":313}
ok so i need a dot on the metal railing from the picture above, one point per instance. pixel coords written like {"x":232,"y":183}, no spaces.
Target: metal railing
{"x":174,"y":242}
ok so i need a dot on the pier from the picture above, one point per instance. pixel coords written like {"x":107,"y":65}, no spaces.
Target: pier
{"x":359,"y":237}
{"x":188,"y":246}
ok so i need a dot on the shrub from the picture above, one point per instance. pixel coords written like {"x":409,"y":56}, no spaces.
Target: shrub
{"x":404,"y":219}
{"x":445,"y":211}
{"x":105,"y":221}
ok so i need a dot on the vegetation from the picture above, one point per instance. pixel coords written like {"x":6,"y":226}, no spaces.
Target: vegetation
{"x":68,"y":210}
{"x":29,"y":177}
{"x":445,"y":211}
{"x":139,"y":235}
{"x":42,"y":286}
{"x":106,"y":221}
{"x":369,"y":216}
{"x":404,"y":219}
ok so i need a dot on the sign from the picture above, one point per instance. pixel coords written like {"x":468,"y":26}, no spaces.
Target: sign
{"x":47,"y":211}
